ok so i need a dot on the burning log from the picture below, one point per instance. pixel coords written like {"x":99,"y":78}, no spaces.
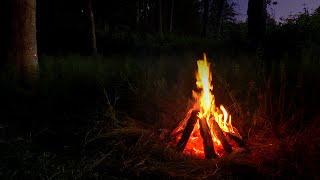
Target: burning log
{"x":207,"y":140}
{"x":219,"y":134}
{"x":236,"y":139}
{"x":215,"y":134}
{"x":187,"y":131}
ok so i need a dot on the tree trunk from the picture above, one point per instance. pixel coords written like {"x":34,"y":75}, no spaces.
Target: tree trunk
{"x":219,"y":19}
{"x":257,"y":14}
{"x":160,"y":19}
{"x":137,"y":14}
{"x":23,"y":39}
{"x":171,"y":16}
{"x":92,"y":35}
{"x":205,"y":18}
{"x":4,"y":31}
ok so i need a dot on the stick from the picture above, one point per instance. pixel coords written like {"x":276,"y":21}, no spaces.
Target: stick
{"x":187,"y":131}
{"x":219,"y":134}
{"x":207,"y":140}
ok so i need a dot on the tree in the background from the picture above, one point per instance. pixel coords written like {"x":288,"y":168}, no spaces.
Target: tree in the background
{"x":257,"y":15}
{"x":317,"y":11}
{"x":218,"y":15}
{"x":148,"y":14}
{"x":171,"y":16}
{"x":23,"y":38}
{"x":187,"y":17}
{"x":138,"y":14}
{"x":160,"y":19}
{"x":205,"y":17}
{"x":92,"y":27}
{"x":221,"y":12}
{"x":4,"y":31}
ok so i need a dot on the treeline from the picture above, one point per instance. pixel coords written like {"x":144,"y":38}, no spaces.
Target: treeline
{"x":122,"y":20}
{"x":67,"y":26}
{"x":93,"y":27}
{"x":96,"y":26}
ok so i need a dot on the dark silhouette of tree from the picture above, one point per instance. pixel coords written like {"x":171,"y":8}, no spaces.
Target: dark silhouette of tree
{"x":138,"y":14}
{"x":218,"y":15}
{"x":222,"y":12}
{"x":160,"y":19}
{"x":257,"y":15}
{"x":92,"y":28}
{"x":317,"y":11}
{"x":22,"y":38}
{"x":205,"y":17}
{"x":4,"y":31}
{"x":171,"y":16}
{"x":187,"y":17}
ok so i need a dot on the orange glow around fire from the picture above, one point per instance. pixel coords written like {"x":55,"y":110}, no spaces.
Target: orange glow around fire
{"x":204,"y":102}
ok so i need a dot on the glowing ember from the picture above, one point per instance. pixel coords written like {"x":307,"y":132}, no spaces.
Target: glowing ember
{"x":208,"y":111}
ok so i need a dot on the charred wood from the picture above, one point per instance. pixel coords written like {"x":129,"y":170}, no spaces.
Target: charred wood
{"x":219,"y":134}
{"x":207,"y":140}
{"x":187,"y":131}
{"x":236,"y":139}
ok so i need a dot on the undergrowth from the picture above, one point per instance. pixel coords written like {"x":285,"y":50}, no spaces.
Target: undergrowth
{"x":104,"y":117}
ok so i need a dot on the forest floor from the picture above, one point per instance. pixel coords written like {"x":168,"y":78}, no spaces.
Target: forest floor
{"x":103,"y":118}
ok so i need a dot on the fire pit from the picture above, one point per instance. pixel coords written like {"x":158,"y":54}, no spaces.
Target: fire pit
{"x":206,"y":131}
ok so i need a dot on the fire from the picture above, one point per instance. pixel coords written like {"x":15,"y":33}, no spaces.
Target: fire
{"x":204,"y":102}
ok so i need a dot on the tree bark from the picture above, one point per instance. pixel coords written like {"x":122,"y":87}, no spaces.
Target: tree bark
{"x":205,"y":18}
{"x":23,"y":39}
{"x":92,"y":31}
{"x":207,"y":140}
{"x":187,"y":131}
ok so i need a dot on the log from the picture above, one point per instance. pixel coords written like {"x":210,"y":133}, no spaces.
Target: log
{"x":207,"y":140}
{"x":174,"y":134}
{"x":236,"y":139}
{"x":219,"y":134}
{"x":187,"y":131}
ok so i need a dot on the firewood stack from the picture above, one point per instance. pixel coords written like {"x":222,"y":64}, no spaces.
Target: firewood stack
{"x":208,"y":145}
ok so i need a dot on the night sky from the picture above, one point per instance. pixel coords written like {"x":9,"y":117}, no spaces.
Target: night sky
{"x":284,"y":8}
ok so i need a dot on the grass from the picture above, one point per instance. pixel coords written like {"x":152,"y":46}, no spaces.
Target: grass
{"x":103,"y":117}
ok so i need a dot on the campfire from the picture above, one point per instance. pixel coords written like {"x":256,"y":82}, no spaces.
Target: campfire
{"x":207,"y":130}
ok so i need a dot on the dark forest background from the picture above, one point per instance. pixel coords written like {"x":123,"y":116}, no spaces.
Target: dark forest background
{"x":148,"y":26}
{"x":88,"y":88}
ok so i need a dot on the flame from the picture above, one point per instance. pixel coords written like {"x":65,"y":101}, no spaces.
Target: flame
{"x":205,"y":104}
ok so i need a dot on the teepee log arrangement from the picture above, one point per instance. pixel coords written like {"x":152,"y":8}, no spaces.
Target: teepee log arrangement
{"x":207,"y":130}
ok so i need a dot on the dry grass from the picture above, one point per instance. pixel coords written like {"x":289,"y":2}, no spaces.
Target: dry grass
{"x":139,"y":152}
{"x":143,"y":100}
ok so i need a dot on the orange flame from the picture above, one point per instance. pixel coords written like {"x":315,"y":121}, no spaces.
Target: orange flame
{"x":205,"y":103}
